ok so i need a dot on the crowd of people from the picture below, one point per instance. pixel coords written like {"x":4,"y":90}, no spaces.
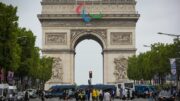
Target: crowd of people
{"x":108,"y":95}
{"x":89,"y":94}
{"x":168,"y":93}
{"x":40,"y":93}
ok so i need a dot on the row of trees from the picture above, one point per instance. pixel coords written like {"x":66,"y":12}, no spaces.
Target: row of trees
{"x":155,"y":62}
{"x":17,"y":49}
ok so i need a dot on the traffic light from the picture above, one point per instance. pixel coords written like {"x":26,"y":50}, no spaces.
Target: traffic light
{"x":89,"y":82}
{"x":90,"y":74}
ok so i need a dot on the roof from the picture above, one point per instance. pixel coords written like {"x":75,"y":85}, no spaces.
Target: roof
{"x":63,"y":87}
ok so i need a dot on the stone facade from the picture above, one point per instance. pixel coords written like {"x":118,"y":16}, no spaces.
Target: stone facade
{"x":63,"y":29}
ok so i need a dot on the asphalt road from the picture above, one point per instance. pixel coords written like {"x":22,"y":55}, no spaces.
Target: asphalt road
{"x":56,"y":99}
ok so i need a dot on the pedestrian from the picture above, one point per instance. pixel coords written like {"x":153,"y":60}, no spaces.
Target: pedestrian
{"x":107,"y":96}
{"x":150,"y":98}
{"x":94,"y":95}
{"x":87,"y":94}
{"x":178,"y":95}
{"x":128,"y":93}
{"x":101,"y":95}
{"x":121,"y":92}
{"x":42,"y":95}
{"x":64,"y":95}
{"x":26,"y":98}
{"x":77,"y":95}
{"x":112,"y":94}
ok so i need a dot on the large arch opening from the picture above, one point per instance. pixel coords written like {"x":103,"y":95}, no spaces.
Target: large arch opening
{"x":88,"y":57}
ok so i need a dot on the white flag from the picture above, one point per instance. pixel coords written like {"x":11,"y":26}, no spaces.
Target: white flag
{"x":173,"y":63}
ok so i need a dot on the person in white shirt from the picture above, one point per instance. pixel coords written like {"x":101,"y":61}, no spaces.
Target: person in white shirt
{"x":107,"y":96}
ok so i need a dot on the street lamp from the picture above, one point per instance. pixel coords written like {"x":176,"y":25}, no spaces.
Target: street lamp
{"x":173,"y":35}
{"x":147,"y":46}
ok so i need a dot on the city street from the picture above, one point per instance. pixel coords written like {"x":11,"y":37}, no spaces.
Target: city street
{"x":56,"y":99}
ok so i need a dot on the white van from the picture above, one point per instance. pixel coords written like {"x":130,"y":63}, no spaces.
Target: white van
{"x":125,"y":87}
{"x":12,"y":92}
{"x":3,"y":91}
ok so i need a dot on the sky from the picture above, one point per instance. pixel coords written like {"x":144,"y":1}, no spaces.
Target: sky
{"x":155,"y":16}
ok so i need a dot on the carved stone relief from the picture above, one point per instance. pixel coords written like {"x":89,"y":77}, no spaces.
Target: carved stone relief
{"x":57,"y":70}
{"x":100,"y":32}
{"x":121,"y":38}
{"x":58,"y":38}
{"x":120,"y":70}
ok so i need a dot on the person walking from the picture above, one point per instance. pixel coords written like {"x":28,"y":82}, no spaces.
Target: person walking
{"x":107,"y":96}
{"x":101,"y":95}
{"x":121,"y":92}
{"x":42,"y":95}
{"x":94,"y":94}
{"x":26,"y":98}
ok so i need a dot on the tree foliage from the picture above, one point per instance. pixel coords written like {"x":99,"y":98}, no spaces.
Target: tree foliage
{"x":155,"y":62}
{"x":26,"y":40}
{"x":18,"y":52}
{"x":9,"y":49}
{"x":45,"y":70}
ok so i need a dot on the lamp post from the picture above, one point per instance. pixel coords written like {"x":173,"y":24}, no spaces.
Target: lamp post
{"x":147,"y":46}
{"x":172,"y":35}
{"x":176,"y":39}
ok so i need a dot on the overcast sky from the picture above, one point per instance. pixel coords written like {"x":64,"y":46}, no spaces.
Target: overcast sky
{"x":156,"y":16}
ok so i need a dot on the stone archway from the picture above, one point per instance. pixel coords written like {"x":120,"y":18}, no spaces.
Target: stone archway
{"x":62,"y":30}
{"x":99,"y":35}
{"x":79,"y":35}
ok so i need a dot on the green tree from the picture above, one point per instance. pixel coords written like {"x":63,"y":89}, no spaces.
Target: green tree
{"x":160,"y":60}
{"x":155,"y":62}
{"x":149,"y":69}
{"x":26,"y":40}
{"x":133,"y":69}
{"x":45,"y":69}
{"x":9,"y":49}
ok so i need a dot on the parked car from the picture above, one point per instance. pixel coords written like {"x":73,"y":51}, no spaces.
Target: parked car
{"x":20,"y":96}
{"x":32,"y":93}
{"x":3,"y":91}
{"x":12,"y":93}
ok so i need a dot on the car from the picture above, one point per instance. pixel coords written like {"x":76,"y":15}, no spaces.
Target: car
{"x":20,"y":96}
{"x":12,"y":93}
{"x":3,"y":91}
{"x":144,"y":90}
{"x":32,"y":93}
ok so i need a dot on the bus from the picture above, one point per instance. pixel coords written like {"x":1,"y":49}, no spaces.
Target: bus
{"x":58,"y":90}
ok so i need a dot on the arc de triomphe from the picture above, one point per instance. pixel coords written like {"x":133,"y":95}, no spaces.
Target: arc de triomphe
{"x":63,"y":28}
